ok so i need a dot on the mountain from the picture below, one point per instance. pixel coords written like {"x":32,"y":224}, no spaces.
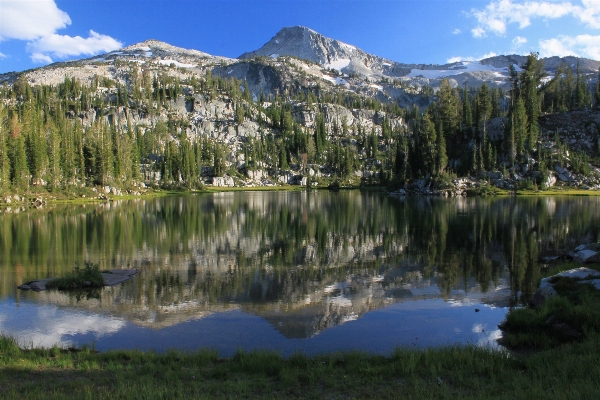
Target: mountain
{"x":301,"y":57}
{"x":307,"y":44}
{"x":303,"y":105}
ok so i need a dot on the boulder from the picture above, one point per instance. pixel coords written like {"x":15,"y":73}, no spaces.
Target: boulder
{"x":550,"y":181}
{"x":223,"y":181}
{"x":546,"y":288}
{"x":588,"y":253}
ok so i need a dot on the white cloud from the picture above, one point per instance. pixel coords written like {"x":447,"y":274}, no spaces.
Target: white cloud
{"x":518,"y":41}
{"x":2,"y":55}
{"x":590,"y":13}
{"x":28,"y":19}
{"x":63,"y":46}
{"x":459,"y":58}
{"x":498,"y":14}
{"x":40,"y":58}
{"x":478,"y":32}
{"x":581,"y":46}
{"x":37,"y":22}
{"x":456,"y":31}
{"x":452,"y":60}
{"x":488,"y":55}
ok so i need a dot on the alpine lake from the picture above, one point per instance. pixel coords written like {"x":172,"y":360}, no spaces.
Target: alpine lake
{"x":287,"y":271}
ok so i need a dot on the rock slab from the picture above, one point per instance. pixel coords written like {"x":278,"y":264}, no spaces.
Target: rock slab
{"x":111,"y":278}
{"x":546,"y":288}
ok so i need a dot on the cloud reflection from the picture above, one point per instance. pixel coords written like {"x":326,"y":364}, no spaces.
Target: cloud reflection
{"x":46,"y":326}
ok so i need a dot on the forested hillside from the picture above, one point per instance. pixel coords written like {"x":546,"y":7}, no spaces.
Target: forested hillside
{"x":172,"y":129}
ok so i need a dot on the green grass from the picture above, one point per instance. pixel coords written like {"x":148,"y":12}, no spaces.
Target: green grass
{"x":559,"y":191}
{"x":88,"y":277}
{"x":571,"y":316}
{"x":452,"y":372}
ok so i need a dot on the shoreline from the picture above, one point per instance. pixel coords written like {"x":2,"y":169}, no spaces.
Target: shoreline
{"x":50,"y":198}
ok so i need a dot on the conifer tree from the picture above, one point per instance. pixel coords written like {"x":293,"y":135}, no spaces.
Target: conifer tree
{"x":54,"y":164}
{"x":401,"y":165}
{"x":448,"y":105}
{"x":19,"y":171}
{"x":427,"y":145}
{"x":484,"y":108}
{"x":520,"y":126}
{"x":440,"y":152}
{"x":4,"y":160}
{"x":467,"y":113}
{"x":533,"y":72}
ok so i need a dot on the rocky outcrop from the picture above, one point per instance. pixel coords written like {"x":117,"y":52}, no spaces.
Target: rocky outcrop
{"x":223,"y":181}
{"x":546,"y":289}
{"x":588,"y":253}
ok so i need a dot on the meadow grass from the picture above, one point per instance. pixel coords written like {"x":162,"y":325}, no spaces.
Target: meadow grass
{"x":567,"y":372}
{"x":572,"y":315}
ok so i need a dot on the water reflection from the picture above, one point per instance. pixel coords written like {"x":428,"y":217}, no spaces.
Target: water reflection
{"x":304,"y":262}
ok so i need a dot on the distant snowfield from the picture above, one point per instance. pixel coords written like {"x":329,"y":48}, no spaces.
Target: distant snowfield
{"x":338,"y":64}
{"x":336,"y":81}
{"x":461,"y":68}
{"x":177,"y":63}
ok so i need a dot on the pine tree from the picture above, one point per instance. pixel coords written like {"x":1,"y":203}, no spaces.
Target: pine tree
{"x":467,"y":114}
{"x":54,"y":164}
{"x":520,"y":126}
{"x":495,"y":113}
{"x":440,"y":151}
{"x":533,"y":72}
{"x":448,"y":105}
{"x":283,"y":162}
{"x":401,"y":165}
{"x":484,"y":108}
{"x":19,"y":171}
{"x":427,"y":146}
{"x":4,"y":160}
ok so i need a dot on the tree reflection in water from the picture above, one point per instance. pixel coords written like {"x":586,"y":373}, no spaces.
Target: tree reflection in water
{"x":303,"y":261}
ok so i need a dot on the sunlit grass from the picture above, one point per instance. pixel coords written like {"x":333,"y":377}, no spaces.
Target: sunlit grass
{"x":450,"y":372}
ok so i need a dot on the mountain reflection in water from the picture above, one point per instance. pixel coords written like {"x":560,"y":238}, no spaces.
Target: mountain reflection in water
{"x":303,"y":262}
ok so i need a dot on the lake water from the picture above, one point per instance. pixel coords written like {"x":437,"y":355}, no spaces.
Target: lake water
{"x":285,"y":271}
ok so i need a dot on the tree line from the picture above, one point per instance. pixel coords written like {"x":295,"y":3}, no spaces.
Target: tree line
{"x":43,"y":142}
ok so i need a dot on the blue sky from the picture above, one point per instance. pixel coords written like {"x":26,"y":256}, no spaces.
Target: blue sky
{"x":37,"y":32}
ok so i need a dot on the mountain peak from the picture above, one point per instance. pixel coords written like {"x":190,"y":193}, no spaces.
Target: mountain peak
{"x":305,"y":43}
{"x":158,"y":46}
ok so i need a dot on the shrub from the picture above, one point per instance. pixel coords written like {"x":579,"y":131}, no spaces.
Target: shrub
{"x":81,"y":278}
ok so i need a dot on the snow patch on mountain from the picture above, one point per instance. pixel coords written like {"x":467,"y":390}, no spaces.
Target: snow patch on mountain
{"x":176,"y":63}
{"x":336,"y":81}
{"x":459,"y":68}
{"x":338,"y":64}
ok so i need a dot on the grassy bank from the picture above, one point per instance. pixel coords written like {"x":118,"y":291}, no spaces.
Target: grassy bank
{"x":573,"y":315}
{"x":567,"y":372}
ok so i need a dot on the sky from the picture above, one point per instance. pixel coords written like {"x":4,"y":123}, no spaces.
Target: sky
{"x":34,"y":33}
